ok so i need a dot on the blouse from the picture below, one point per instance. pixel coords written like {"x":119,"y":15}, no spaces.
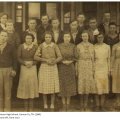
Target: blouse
{"x":26,"y":54}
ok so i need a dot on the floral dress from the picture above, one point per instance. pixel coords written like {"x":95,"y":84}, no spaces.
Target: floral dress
{"x":67,"y":72}
{"x":116,"y":68}
{"x":86,"y":82}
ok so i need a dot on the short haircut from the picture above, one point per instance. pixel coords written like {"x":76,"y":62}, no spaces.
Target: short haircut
{"x":74,"y":21}
{"x":80,"y":13}
{"x":44,"y":15}
{"x":66,"y":32}
{"x":29,"y":34}
{"x":32,"y":19}
{"x":93,"y":18}
{"x":106,"y":12}
{"x":55,"y":19}
{"x":48,"y":32}
{"x":2,"y":14}
{"x":100,"y":33}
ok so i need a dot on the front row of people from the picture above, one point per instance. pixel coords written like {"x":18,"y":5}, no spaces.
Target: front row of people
{"x":65,"y":69}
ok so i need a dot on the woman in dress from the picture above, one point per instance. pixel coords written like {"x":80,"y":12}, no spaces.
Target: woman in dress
{"x":3,"y":20}
{"x":102,"y":70}
{"x":84,"y":68}
{"x":49,"y":55}
{"x":67,"y":71}
{"x":115,"y":69}
{"x":28,"y":82}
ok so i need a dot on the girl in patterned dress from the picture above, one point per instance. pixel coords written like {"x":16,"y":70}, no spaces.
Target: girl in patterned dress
{"x":115,"y":70}
{"x":67,"y":71}
{"x":49,"y":55}
{"x":84,"y":70}
{"x":102,"y":70}
{"x":28,"y":82}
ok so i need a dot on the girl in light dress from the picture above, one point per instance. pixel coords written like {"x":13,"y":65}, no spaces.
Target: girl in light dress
{"x":49,"y":55}
{"x":102,"y":70}
{"x":115,"y":70}
{"x":28,"y":82}
{"x":85,"y":70}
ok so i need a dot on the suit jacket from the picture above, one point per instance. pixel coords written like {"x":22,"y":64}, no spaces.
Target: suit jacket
{"x":40,"y":32}
{"x":60,"y":37}
{"x":77,"y":40}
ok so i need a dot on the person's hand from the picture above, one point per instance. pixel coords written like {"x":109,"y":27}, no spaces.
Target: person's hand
{"x":67,"y":62}
{"x":51,"y":61}
{"x":28,"y":64}
{"x":13,"y":73}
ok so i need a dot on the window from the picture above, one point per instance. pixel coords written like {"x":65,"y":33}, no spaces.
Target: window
{"x":19,"y":12}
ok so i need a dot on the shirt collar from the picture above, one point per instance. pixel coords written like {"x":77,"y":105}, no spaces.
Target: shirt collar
{"x":48,"y":45}
{"x":28,"y":47}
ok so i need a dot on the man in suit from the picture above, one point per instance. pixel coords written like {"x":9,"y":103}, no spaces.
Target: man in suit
{"x":44,"y":26}
{"x":76,"y":36}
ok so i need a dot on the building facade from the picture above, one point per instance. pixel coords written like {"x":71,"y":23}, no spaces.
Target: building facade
{"x":20,"y":12}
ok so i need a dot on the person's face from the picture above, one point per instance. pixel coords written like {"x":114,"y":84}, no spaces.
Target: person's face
{"x":28,"y":40}
{"x":74,"y":25}
{"x":32,"y":24}
{"x":85,"y":37}
{"x":9,"y":26}
{"x":44,"y":20}
{"x":107,"y":16}
{"x":55,"y":23}
{"x":48,"y":38}
{"x":66,"y":38}
{"x":3,"y":37}
{"x":100,"y":38}
{"x":3,"y":19}
{"x":81,"y":18}
{"x":93,"y":24}
{"x":112,"y":28}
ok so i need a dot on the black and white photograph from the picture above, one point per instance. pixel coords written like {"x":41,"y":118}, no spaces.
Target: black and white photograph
{"x":59,"y":56}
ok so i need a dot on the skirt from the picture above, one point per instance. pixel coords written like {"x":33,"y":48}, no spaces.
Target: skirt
{"x":102,"y":82}
{"x":116,"y":77}
{"x":101,"y":76}
{"x":67,"y":80}
{"x":28,"y":83}
{"x":48,"y":79}
{"x":86,"y":82}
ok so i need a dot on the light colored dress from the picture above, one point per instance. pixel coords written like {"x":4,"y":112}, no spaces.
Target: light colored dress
{"x":102,"y":67}
{"x":28,"y":82}
{"x":116,"y":68}
{"x":48,"y":74}
{"x":86,"y":82}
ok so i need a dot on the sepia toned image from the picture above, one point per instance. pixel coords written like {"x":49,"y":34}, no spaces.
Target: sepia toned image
{"x":59,"y":56}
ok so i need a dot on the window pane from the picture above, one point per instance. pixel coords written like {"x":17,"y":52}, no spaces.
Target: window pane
{"x":51,"y":9}
{"x":34,"y":10}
